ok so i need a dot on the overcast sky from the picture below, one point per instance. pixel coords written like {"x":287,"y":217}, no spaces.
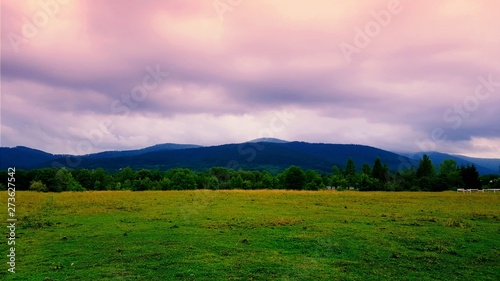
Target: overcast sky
{"x":87,"y":76}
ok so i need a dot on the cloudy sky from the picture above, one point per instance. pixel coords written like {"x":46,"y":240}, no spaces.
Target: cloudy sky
{"x":87,"y":76}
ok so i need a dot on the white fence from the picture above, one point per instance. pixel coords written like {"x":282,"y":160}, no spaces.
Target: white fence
{"x":464,"y":190}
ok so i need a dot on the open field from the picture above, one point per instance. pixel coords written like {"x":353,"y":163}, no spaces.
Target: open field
{"x":255,"y":235}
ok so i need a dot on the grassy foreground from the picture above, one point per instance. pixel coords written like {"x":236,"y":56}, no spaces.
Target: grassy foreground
{"x":254,"y":235}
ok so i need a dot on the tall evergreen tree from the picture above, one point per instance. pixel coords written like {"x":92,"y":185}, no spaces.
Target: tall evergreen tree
{"x":378,"y":171}
{"x":350,"y":168}
{"x":470,"y":176}
{"x":366,"y":169}
{"x":425,"y":168}
{"x":426,"y":175}
{"x":449,"y":175}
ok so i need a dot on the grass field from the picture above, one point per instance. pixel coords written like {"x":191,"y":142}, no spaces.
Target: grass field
{"x":255,"y":235}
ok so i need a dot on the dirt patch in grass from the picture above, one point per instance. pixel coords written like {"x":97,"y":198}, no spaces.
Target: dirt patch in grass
{"x":234,"y":224}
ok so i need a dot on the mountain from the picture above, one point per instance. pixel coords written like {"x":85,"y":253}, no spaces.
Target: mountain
{"x":490,"y":163}
{"x":270,"y":154}
{"x":483,"y":166}
{"x":273,"y":140}
{"x":275,"y":155}
{"x":23,"y":157}
{"x":154,"y":148}
{"x":27,"y":158}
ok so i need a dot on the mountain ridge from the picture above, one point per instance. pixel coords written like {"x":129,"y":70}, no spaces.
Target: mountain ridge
{"x":250,"y":156}
{"x":483,"y":165}
{"x":258,"y":154}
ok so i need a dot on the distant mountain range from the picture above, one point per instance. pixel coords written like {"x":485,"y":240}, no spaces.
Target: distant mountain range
{"x":154,"y":148}
{"x":267,"y":153}
{"x":273,"y":140}
{"x":483,"y":165}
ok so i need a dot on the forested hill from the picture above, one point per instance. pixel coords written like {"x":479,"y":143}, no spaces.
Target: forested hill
{"x":23,"y":157}
{"x":250,"y":156}
{"x":274,"y":156}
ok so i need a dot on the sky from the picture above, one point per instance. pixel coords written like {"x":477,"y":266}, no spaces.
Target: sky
{"x":79,"y":77}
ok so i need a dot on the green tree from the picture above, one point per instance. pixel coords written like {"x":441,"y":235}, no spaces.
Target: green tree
{"x":268,"y":181}
{"x":338,"y":180}
{"x":365,"y":182}
{"x":127,"y":185}
{"x":490,"y":181}
{"x":426,"y":175}
{"x":165,"y":184}
{"x":182,"y":179}
{"x":64,"y":181}
{"x":211,"y":182}
{"x":350,"y":168}
{"x":101,"y":179}
{"x":223,"y":176}
{"x":236,"y":182}
{"x":126,"y":174}
{"x":379,"y":172}
{"x":350,"y":173}
{"x":449,"y":175}
{"x":116,"y":186}
{"x":47,"y":176}
{"x":470,"y":176}
{"x":313,"y":180}
{"x":84,"y":177}
{"x":157,"y":175}
{"x":447,"y":167}
{"x":407,"y":180}
{"x":294,"y":178}
{"x":425,"y":167}
{"x":142,"y":184}
{"x":366,"y":169}
{"x":38,"y":186}
{"x":143,"y":173}
{"x":336,"y":171}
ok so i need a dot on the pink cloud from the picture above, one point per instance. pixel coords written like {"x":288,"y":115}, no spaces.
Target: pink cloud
{"x":263,"y":56}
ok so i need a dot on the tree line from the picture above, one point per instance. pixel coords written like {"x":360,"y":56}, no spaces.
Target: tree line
{"x":377,"y":177}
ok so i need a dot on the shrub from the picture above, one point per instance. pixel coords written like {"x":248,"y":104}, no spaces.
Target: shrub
{"x":38,"y":186}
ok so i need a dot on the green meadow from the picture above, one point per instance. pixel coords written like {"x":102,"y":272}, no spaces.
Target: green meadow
{"x":254,"y":235}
